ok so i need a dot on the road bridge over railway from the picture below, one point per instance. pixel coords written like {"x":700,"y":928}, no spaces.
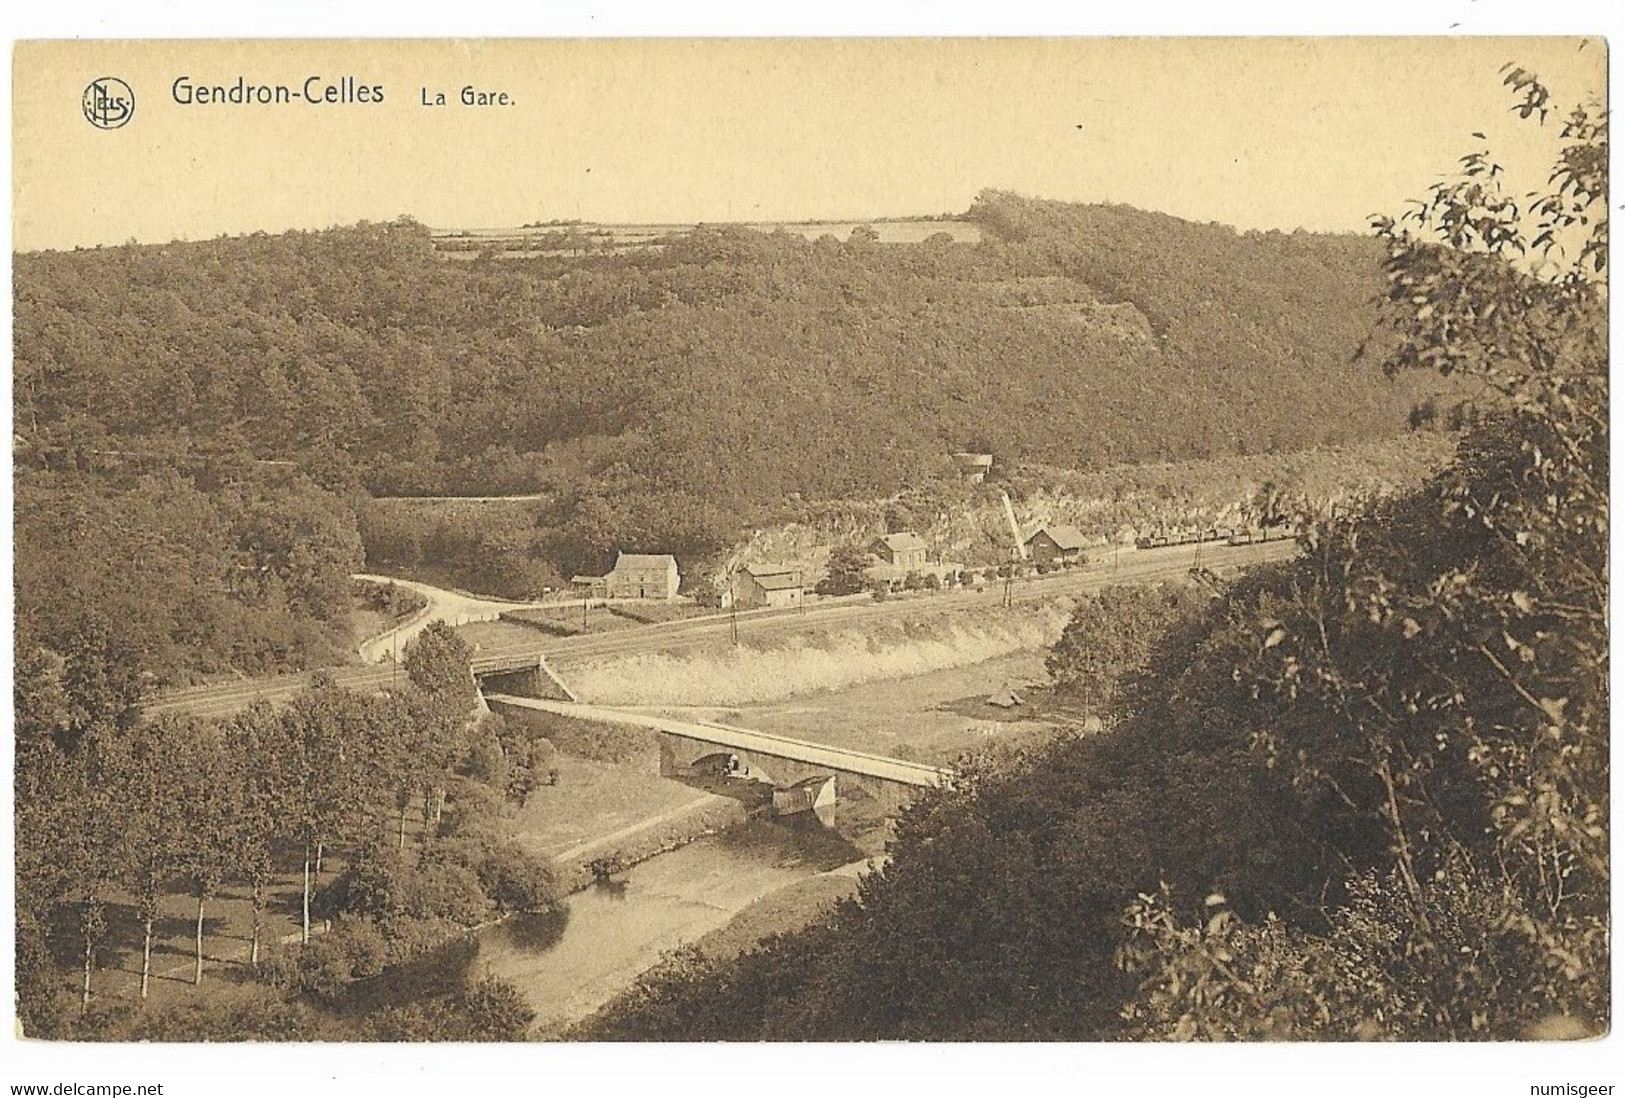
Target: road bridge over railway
{"x":804,"y":776}
{"x":522,"y":673}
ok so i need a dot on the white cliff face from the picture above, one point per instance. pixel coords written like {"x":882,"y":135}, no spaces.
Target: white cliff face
{"x":1116,"y":505}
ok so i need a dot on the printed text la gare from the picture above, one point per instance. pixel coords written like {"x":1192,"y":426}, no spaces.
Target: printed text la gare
{"x":469,"y":96}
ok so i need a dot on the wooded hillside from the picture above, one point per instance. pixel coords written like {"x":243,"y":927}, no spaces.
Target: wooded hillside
{"x":660,"y":400}
{"x":1080,"y":335}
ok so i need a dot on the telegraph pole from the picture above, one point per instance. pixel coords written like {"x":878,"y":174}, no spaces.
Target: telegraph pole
{"x":733,"y":609}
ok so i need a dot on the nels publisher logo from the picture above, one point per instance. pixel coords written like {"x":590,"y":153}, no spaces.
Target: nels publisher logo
{"x":108,"y":103}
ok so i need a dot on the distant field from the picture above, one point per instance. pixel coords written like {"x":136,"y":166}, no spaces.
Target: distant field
{"x":925,"y":718}
{"x":589,"y":238}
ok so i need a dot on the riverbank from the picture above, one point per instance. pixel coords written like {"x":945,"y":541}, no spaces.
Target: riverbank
{"x":569,"y":966}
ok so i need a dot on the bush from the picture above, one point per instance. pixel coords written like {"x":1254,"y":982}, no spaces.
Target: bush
{"x":595,"y":740}
{"x":388,"y":888}
{"x":489,"y":1009}
{"x":451,"y":891}
{"x":258,"y":1014}
{"x":517,"y":880}
{"x":472,"y":805}
{"x":389,"y":599}
{"x":372,"y":886}
{"x":326,"y":966}
{"x":486,"y":761}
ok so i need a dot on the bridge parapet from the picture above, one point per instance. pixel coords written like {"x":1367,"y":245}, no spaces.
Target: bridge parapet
{"x":892,"y":782}
{"x":688,"y":755}
{"x":525,"y":675}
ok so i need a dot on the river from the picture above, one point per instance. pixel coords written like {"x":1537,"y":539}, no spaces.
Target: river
{"x":570,"y":964}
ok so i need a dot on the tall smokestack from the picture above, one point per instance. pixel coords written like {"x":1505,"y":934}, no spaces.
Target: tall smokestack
{"x":1015,"y":528}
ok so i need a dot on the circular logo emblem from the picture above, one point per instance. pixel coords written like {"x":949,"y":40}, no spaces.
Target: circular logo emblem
{"x":108,"y":103}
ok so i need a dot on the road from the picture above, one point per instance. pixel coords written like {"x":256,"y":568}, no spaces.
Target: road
{"x":840,"y":759}
{"x":451,"y":607}
{"x":1133,"y":567}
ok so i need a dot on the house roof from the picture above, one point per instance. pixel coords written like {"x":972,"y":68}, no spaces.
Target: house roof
{"x":586,"y":579}
{"x":897,"y":543}
{"x":644,"y":560}
{"x":1065,"y":537}
{"x":774,"y":577}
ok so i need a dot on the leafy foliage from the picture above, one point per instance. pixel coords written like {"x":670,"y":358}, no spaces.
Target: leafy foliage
{"x":176,"y":803}
{"x":304,"y":366}
{"x":1363,"y":794}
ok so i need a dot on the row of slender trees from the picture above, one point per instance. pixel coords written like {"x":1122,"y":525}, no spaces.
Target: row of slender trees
{"x":114,"y":810}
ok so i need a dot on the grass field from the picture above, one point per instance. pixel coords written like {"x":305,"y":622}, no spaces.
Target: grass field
{"x":594,"y":799}
{"x":923,"y":717}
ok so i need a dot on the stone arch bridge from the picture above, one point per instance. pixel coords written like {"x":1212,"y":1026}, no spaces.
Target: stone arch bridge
{"x":804,"y":776}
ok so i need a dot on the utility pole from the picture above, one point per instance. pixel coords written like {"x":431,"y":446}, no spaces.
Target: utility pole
{"x":586,"y":596}
{"x":733,"y":609}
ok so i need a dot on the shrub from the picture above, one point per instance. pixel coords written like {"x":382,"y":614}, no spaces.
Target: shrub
{"x":472,"y":805}
{"x":489,"y":1009}
{"x":328,"y":964}
{"x":517,"y":880}
{"x":387,"y":888}
{"x":485,"y":760}
{"x":596,"y":740}
{"x":371,"y":886}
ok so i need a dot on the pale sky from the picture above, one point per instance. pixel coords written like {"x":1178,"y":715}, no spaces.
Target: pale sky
{"x":1256,"y":133}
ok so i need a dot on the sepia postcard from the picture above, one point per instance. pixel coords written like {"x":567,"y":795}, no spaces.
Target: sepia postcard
{"x":819,"y":558}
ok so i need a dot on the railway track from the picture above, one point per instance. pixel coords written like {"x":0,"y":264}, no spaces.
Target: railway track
{"x":1141,"y":566}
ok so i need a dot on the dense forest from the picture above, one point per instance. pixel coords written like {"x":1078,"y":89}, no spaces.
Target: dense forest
{"x":198,"y":426}
{"x":1075,"y":335}
{"x":1359,"y":795}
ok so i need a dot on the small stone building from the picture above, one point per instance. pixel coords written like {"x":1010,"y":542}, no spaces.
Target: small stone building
{"x":1056,"y":545}
{"x":768,"y":585}
{"x":903,"y":551}
{"x":635,"y":576}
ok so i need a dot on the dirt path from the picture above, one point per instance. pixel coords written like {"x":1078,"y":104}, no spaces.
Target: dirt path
{"x":451,"y":607}
{"x":575,"y":853}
